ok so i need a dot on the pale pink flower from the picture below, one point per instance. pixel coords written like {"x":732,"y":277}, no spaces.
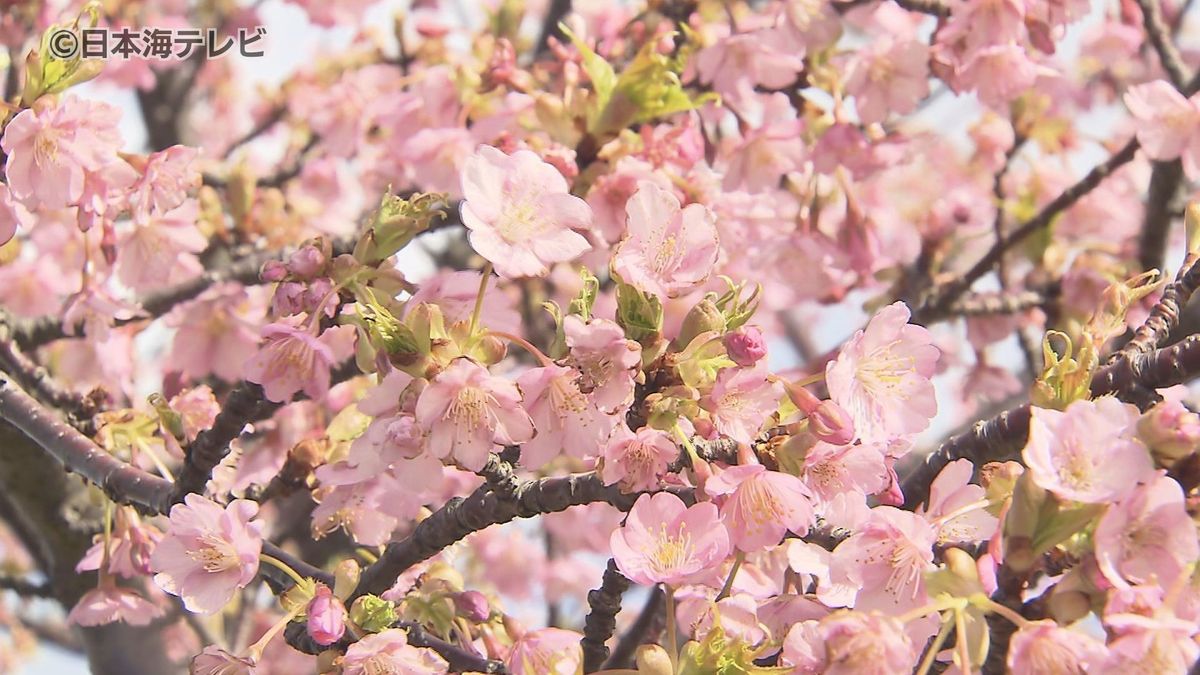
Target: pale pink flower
{"x":774,"y":147}
{"x":1168,"y":124}
{"x":638,"y":461}
{"x":741,"y":400}
{"x":52,"y":146}
{"x":1147,"y":536}
{"x":12,"y":213}
{"x":664,"y":541}
{"x":760,"y":506}
{"x":831,"y":470}
{"x":887,"y":559}
{"x":803,"y":649}
{"x":611,"y":191}
{"x":161,"y":250}
{"x":740,"y":62}
{"x":888,"y":76}
{"x":107,"y":604}
{"x":216,"y":661}
{"x":455,"y":292}
{"x":998,"y":74}
{"x":1149,"y":649}
{"x":166,"y":179}
{"x":130,"y":547}
{"x":208,"y":552}
{"x":666,"y":250}
{"x":368,"y":510}
{"x":605,"y":358}
{"x":566,"y":419}
{"x":737,"y":615}
{"x":1088,"y":452}
{"x":1044,"y":647}
{"x":466,"y":411}
{"x":865,"y":643}
{"x":881,"y":376}
{"x":293,"y":359}
{"x":214,"y":335}
{"x":950,"y":491}
{"x":520,"y":213}
{"x":549,"y":651}
{"x":389,"y":652}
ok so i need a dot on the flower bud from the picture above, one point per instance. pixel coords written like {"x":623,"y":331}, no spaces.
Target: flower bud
{"x":272,"y":271}
{"x":705,"y":316}
{"x":307,"y":262}
{"x":289,"y":299}
{"x":345,"y":577}
{"x":653,"y":660}
{"x":830,"y":423}
{"x":1171,"y":431}
{"x":472,"y":606}
{"x":1067,"y":607}
{"x":745,"y":346}
{"x":326,"y":617}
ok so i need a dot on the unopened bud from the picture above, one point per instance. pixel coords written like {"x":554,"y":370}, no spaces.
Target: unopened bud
{"x":1171,"y":431}
{"x":273,"y":270}
{"x":1067,"y":607}
{"x":703,"y":317}
{"x":653,"y":660}
{"x":472,"y":606}
{"x":372,"y":613}
{"x":831,"y":423}
{"x":745,"y":346}
{"x":307,"y":262}
{"x":326,"y":617}
{"x":1191,"y":225}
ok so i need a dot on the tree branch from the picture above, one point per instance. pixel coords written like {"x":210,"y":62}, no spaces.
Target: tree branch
{"x":604,"y":604}
{"x":1160,"y":37}
{"x":1164,"y":316}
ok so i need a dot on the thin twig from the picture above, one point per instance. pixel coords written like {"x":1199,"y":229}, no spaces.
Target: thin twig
{"x":1160,"y":37}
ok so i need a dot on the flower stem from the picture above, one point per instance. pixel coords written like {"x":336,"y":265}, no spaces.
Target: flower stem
{"x":672,"y":632}
{"x":254,"y":652}
{"x":287,"y":569}
{"x":524,"y":344}
{"x":483,"y":284}
{"x":931,"y":653}
{"x":993,"y":606}
{"x":737,"y":565}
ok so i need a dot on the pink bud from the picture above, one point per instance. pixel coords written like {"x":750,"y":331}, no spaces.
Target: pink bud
{"x":273,"y":270}
{"x":307,"y":262}
{"x":318,"y":290}
{"x":472,"y":606}
{"x":326,"y":617}
{"x":746,"y":346}
{"x":288,"y":299}
{"x":830,"y":423}
{"x":1171,"y":431}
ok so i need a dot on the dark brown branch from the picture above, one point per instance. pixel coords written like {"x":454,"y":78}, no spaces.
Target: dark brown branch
{"x":604,"y":604}
{"x":931,"y":7}
{"x":1165,"y":179}
{"x":36,"y":379}
{"x":639,"y":633}
{"x":1160,"y":36}
{"x":245,"y":404}
{"x":25,"y":588}
{"x":1164,"y":316}
{"x":483,"y":508}
{"x":941,"y":297}
{"x":1000,"y":438}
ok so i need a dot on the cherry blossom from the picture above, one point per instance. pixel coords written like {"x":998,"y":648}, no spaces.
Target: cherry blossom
{"x":521,"y":216}
{"x":389,"y":651}
{"x":761,"y":505}
{"x":208,"y":552}
{"x":664,"y":541}
{"x":638,"y":461}
{"x":667,"y":249}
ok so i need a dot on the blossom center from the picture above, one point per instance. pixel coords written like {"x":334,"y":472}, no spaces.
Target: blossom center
{"x":215,"y":554}
{"x":671,"y":551}
{"x":469,"y":408}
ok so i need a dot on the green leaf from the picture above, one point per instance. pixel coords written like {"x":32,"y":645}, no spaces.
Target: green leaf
{"x":599,"y":71}
{"x":640,"y":314}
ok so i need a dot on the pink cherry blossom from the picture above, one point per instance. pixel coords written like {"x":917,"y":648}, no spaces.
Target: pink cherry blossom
{"x":214,"y":333}
{"x":865,"y":643}
{"x":292,"y":359}
{"x":455,"y":292}
{"x":760,"y":506}
{"x":887,"y":559}
{"x":1147,"y":536}
{"x":161,"y":250}
{"x":952,"y":491}
{"x":549,"y":651}
{"x":889,"y":76}
{"x":741,"y":400}
{"x":664,"y":541}
{"x":567,"y":420}
{"x":606,"y":359}
{"x":1087,"y":453}
{"x":166,"y":179}
{"x":831,"y":470}
{"x":745,"y":346}
{"x":107,"y":604}
{"x":390,"y":652}
{"x":667,"y":249}
{"x":208,"y":553}
{"x":738,"y":63}
{"x":1168,"y":124}
{"x":1044,"y":647}
{"x":466,"y":411}
{"x":881,"y":376}
{"x":52,"y":146}
{"x":12,"y":213}
{"x":638,"y":461}
{"x":519,"y":211}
